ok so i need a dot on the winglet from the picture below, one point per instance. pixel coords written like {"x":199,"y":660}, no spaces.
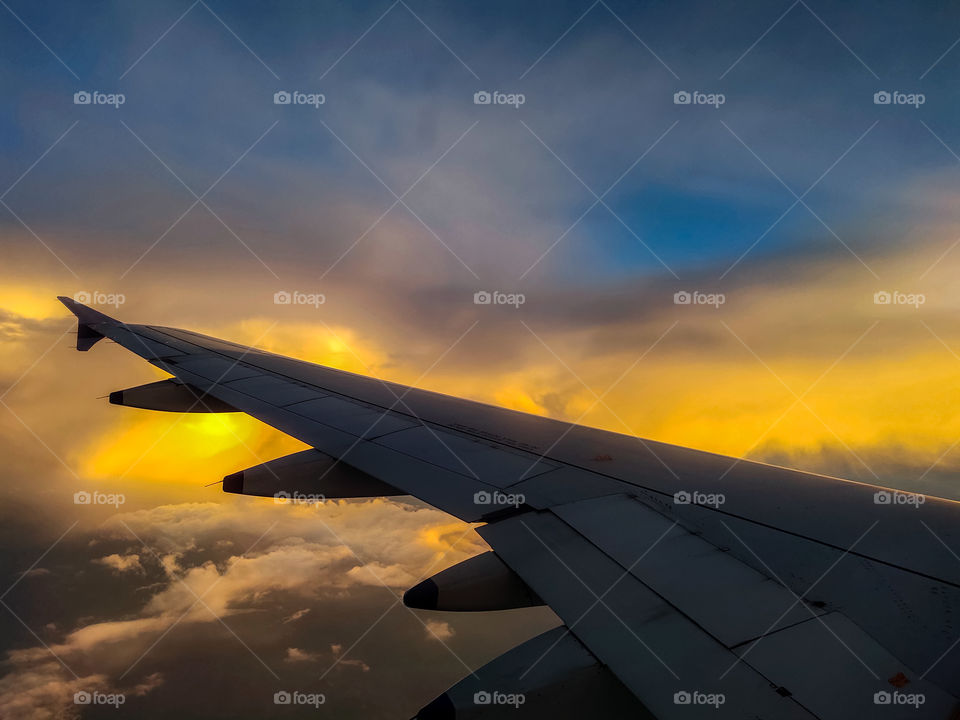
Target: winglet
{"x":87,"y":337}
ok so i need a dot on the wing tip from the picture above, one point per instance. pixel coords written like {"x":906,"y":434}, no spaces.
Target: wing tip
{"x":87,"y":317}
{"x":85,"y":314}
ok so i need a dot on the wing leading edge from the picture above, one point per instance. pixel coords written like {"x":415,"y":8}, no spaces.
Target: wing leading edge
{"x":684,"y":576}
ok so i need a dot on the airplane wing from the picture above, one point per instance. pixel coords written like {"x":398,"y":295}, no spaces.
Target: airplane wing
{"x":689,"y":584}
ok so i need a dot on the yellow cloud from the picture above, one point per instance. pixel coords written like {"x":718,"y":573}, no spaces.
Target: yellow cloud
{"x":30,"y":301}
{"x":182,"y":448}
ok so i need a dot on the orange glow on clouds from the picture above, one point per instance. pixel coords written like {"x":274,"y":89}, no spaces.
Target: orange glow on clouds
{"x":29,"y":301}
{"x":192,"y":449}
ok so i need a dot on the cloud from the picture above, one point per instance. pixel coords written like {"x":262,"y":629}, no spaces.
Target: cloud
{"x":36,"y":572}
{"x":39,"y":688}
{"x":300,"y":558}
{"x":295,"y":655}
{"x":438,"y":630}
{"x":337,"y":648}
{"x":15,"y":327}
{"x":295,"y":616}
{"x":151,"y":681}
{"x":354,"y":662}
{"x":43,"y":691}
{"x":121,"y":563}
{"x":378,"y":574}
{"x":385,"y":533}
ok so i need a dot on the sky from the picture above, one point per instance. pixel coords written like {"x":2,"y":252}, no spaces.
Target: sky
{"x":767,"y":270}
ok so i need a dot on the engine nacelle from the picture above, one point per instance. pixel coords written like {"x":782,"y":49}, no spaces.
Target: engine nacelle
{"x":309,"y":473}
{"x":484,"y":582}
{"x":170,"y":396}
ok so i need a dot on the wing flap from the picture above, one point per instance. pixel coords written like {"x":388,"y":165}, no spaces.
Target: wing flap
{"x":730,"y":600}
{"x":567,"y":683}
{"x":862,"y":680}
{"x":661,"y":655}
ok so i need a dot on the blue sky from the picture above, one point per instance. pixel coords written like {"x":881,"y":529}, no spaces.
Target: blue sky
{"x":796,"y":100}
